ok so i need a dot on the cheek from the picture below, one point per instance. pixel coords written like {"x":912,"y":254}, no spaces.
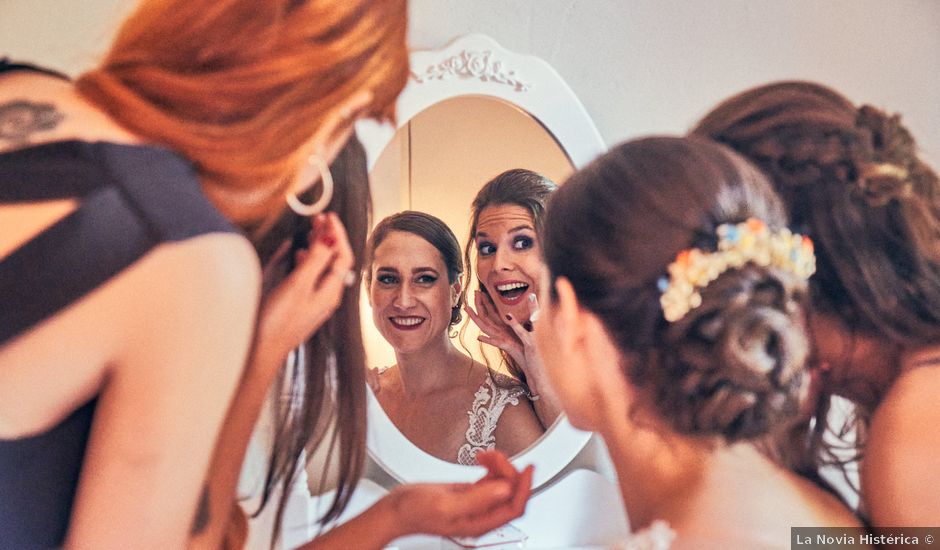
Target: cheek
{"x":484,"y":267}
{"x":439,"y":298}
{"x":532,"y":265}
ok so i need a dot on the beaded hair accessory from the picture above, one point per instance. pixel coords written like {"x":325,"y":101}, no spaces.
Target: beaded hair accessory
{"x":748,"y":242}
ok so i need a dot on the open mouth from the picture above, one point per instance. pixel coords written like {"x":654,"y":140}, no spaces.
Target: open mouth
{"x":511,"y":293}
{"x":406,"y":323}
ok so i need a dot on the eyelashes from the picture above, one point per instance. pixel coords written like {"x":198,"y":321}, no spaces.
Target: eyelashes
{"x":518,"y":243}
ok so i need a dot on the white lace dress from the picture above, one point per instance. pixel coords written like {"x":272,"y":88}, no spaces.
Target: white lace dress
{"x":491,"y":399}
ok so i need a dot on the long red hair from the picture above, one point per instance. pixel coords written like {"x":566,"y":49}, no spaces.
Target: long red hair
{"x":238,"y":87}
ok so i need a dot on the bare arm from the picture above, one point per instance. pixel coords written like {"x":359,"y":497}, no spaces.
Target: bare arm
{"x":290,"y":314}
{"x":900,"y":477}
{"x":510,"y":336}
{"x":185,"y":337}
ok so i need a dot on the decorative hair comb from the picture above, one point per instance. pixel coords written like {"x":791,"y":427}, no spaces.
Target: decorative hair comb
{"x":748,"y":242}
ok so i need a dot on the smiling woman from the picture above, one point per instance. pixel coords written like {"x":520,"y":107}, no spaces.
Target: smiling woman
{"x":413,"y":270}
{"x":505,"y":223}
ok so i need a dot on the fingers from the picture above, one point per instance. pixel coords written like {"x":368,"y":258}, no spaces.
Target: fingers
{"x":481,"y":320}
{"x":520,"y":331}
{"x":533,"y":302}
{"x":482,"y":507}
{"x":497,"y":465}
{"x":331,"y":283}
{"x":313,"y":262}
{"x":487,"y":308}
{"x":523,"y":490}
{"x":500,"y":511}
{"x":344,"y":258}
{"x":495,"y":342}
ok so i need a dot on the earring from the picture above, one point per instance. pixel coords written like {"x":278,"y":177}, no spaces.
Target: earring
{"x":302,"y":209}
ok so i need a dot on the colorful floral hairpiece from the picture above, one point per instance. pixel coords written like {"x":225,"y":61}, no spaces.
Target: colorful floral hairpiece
{"x":748,"y":242}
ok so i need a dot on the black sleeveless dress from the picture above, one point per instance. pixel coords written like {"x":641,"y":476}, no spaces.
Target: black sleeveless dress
{"x":131,"y":199}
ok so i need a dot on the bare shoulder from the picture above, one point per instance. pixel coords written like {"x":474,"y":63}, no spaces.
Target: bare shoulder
{"x":222,"y":267}
{"x":212,"y":280}
{"x":900,"y":480}
{"x":37,"y":108}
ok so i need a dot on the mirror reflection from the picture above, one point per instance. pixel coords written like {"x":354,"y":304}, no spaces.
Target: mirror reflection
{"x":451,"y":388}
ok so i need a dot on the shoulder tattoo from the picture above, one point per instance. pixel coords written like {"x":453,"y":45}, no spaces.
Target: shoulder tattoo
{"x":20,"y":119}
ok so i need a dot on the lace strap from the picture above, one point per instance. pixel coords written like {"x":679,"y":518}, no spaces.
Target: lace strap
{"x":489,"y":402}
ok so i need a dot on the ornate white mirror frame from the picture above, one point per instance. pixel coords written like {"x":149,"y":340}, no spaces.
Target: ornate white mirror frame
{"x":475,"y":64}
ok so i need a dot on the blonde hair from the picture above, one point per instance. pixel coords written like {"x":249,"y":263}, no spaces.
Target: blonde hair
{"x":238,"y":87}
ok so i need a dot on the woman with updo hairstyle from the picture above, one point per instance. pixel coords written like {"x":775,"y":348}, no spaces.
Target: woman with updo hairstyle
{"x":503,"y":258}
{"x":442,"y":400}
{"x":852,"y":180}
{"x":672,"y":324}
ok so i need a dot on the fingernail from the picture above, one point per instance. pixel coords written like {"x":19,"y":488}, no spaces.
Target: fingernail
{"x":532,"y":297}
{"x":327,"y":239}
{"x":508,"y":317}
{"x":535,"y":315}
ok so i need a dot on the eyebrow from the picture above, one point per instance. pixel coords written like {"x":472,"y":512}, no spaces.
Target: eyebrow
{"x":513,"y":230}
{"x":415,"y":270}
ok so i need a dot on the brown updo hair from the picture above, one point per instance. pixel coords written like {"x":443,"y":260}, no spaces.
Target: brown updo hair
{"x":732,"y":367}
{"x":851,"y":178}
{"x":431,"y":229}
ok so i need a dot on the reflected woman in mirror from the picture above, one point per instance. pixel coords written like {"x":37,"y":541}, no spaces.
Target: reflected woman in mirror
{"x":504,"y":245}
{"x":413,"y":279}
{"x":852,"y":180}
{"x":672,"y":324}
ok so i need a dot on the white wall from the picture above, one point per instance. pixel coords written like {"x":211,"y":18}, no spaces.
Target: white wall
{"x":656,"y":66}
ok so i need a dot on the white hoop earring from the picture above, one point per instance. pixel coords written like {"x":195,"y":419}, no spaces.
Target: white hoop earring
{"x":302,"y":209}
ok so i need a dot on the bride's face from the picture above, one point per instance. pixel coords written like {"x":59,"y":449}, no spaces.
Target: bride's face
{"x":410,"y":295}
{"x":509,"y":263}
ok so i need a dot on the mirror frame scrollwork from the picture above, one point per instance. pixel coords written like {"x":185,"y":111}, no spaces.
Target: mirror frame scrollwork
{"x":475,"y":64}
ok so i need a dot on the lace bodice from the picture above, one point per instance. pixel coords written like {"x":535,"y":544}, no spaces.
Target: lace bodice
{"x":489,"y":402}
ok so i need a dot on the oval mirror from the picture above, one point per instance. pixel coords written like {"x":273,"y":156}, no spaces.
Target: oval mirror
{"x":470,"y":111}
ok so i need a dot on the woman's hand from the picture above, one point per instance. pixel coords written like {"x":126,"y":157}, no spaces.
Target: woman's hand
{"x":305,"y":298}
{"x":517,"y":339}
{"x":464,"y":509}
{"x":509,"y":335}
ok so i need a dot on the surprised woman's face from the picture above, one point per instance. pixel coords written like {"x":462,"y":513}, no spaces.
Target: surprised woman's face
{"x":509,"y":258}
